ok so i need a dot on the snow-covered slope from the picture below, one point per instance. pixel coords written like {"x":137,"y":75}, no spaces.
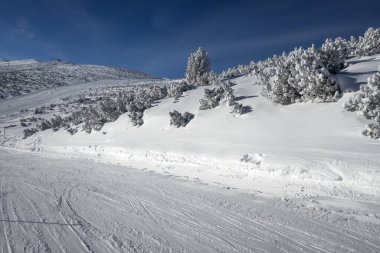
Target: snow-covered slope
{"x":17,"y":64}
{"x":274,"y":148}
{"x":27,"y":76}
{"x":295,"y":178}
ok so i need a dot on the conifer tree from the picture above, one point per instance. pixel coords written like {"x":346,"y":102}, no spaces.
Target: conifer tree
{"x":198,"y":67}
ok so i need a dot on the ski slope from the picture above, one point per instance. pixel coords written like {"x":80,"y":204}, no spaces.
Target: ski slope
{"x":55,"y":204}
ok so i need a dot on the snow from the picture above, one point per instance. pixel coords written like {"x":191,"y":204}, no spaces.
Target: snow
{"x":358,"y":71}
{"x":52,"y":203}
{"x":290,"y":178}
{"x":22,"y":77}
{"x":19,"y":62}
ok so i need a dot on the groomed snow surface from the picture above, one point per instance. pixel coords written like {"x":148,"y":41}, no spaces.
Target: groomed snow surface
{"x":56,"y":204}
{"x":297,"y":178}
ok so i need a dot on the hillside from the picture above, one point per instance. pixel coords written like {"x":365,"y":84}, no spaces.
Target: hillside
{"x":291,"y":178}
{"x":27,"y":76}
{"x":317,"y":145}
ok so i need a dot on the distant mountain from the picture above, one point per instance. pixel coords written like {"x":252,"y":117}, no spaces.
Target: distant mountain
{"x":26,"y":76}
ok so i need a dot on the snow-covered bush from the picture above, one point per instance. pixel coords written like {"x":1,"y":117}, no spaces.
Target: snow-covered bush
{"x":39,"y":110}
{"x":153,"y":93}
{"x":45,"y":124}
{"x":273,"y":75}
{"x":109,"y":109}
{"x":177,"y":89}
{"x":257,"y":159}
{"x":23,"y":124}
{"x":77,"y":117}
{"x":372,"y":130}
{"x":333,"y":54}
{"x":238,"y":71}
{"x":94,"y":120}
{"x":134,"y":103}
{"x":95,"y":116}
{"x":56,"y":123}
{"x":72,"y":130}
{"x":305,"y":75}
{"x":198,"y":67}
{"x":180,"y":120}
{"x":135,"y":111}
{"x":367,"y":104}
{"x":238,"y":108}
{"x":29,"y":132}
{"x":369,"y":44}
{"x":212,"y":97}
{"x":297,"y":77}
{"x":102,"y":106}
{"x":213,"y":78}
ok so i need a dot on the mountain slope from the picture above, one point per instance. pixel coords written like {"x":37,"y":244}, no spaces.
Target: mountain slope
{"x":27,"y":76}
{"x":318,"y":146}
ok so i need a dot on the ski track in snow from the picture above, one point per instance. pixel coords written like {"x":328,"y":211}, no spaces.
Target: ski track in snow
{"x":56,"y":204}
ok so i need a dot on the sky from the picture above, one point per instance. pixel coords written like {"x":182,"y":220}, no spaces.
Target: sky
{"x":158,"y":36}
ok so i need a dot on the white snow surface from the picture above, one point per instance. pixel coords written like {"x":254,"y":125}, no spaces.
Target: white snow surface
{"x":296,"y":178}
{"x":56,"y":204}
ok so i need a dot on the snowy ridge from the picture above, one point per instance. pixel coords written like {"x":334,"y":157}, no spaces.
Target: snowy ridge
{"x":28,"y":76}
{"x":18,"y":62}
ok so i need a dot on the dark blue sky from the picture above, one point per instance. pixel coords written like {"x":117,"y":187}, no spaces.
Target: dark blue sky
{"x":157,"y":36}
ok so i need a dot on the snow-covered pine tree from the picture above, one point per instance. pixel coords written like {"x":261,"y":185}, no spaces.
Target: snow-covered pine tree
{"x":198,"y":67}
